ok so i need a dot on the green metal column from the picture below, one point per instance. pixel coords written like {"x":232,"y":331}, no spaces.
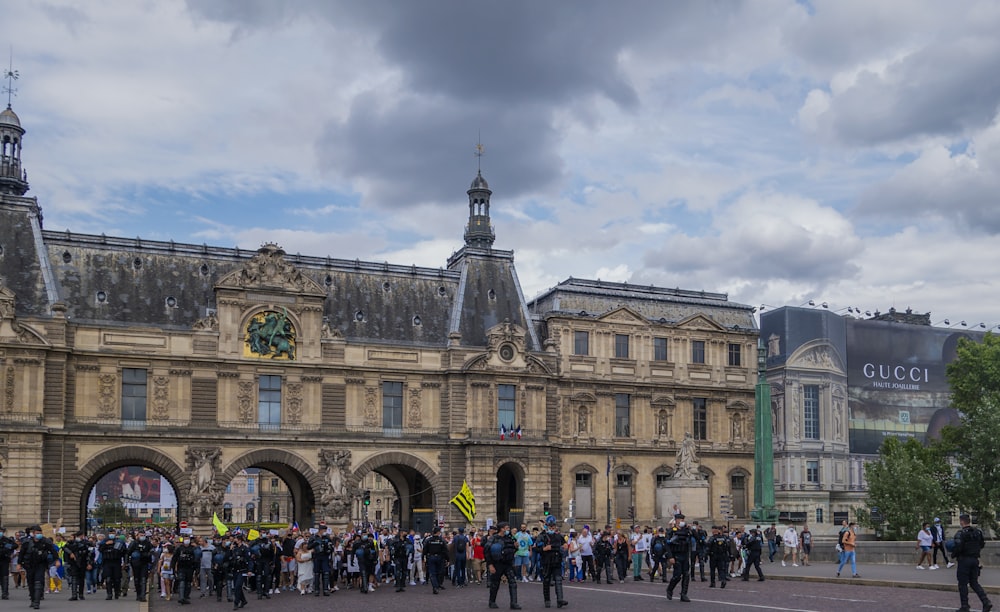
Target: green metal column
{"x":763,"y":454}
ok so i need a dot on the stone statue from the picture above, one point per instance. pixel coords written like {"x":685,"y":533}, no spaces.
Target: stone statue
{"x":686,"y":467}
{"x":662,"y":428}
{"x":582,"y":422}
{"x":335,"y":464}
{"x":204,"y":468}
{"x":209,"y":323}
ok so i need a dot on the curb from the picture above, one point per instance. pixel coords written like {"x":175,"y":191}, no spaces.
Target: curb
{"x":902,"y":584}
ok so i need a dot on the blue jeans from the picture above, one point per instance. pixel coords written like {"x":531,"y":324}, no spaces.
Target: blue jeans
{"x":844,"y":556}
{"x":460,"y":569}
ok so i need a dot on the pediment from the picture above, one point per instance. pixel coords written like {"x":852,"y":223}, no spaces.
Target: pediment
{"x":583,"y":396}
{"x":268,"y":270}
{"x":663,"y":401}
{"x":700,"y":322}
{"x":623,"y":314}
{"x":816,"y":355}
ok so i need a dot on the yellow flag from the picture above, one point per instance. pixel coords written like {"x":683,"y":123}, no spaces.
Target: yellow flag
{"x":253,"y":535}
{"x":219,"y":525}
{"x":465,"y":501}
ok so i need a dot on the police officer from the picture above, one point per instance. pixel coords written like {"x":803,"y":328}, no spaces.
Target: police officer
{"x":603,"y":555}
{"x":400,"y":555}
{"x":36,"y":555}
{"x":319,"y":544}
{"x":76,"y":559}
{"x":754,"y":545}
{"x":680,"y":549}
{"x":699,"y":550}
{"x":112,"y":556}
{"x":221,"y":560}
{"x":499,"y":552}
{"x":969,"y":542}
{"x":140,"y":554}
{"x":367,"y":562}
{"x":435,"y":549}
{"x":264,"y":566}
{"x":718,"y":555}
{"x":7,"y":548}
{"x":660,"y":553}
{"x":239,"y":568}
{"x":186,"y":563}
{"x":550,"y":546}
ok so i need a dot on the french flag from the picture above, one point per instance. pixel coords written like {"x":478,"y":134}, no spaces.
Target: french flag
{"x":517,"y":432}
{"x":503,"y":432}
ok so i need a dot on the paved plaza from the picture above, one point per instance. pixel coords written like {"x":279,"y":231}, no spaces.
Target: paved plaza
{"x":789,"y":589}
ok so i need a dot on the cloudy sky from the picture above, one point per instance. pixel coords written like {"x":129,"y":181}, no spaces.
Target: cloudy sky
{"x":844,"y":151}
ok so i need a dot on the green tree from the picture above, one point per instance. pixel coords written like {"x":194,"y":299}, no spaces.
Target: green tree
{"x":110,"y":512}
{"x":908,"y":484}
{"x":975,"y":392}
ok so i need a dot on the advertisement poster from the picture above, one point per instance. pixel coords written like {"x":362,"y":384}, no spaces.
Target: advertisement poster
{"x":130,"y":485}
{"x":896,"y":381}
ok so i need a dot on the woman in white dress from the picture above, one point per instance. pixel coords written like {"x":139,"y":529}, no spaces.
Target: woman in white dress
{"x":303,"y":558}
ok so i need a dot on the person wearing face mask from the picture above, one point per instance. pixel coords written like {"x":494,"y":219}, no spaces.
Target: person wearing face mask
{"x":76,"y":558}
{"x":370,"y":559}
{"x":679,"y":547}
{"x":435,"y":549}
{"x":36,"y":555}
{"x":140,"y":554}
{"x":7,"y":548}
{"x":220,"y":567}
{"x":550,"y":545}
{"x":500,"y":550}
{"x":112,"y":555}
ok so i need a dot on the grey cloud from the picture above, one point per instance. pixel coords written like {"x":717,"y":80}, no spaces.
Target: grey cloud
{"x":944,"y":89}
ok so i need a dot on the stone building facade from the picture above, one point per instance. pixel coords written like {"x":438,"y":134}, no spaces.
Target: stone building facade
{"x":202,"y":362}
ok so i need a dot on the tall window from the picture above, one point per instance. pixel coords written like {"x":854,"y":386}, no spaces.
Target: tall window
{"x":734,"y":355}
{"x":250,"y":485}
{"x":227,"y":512}
{"x":700,"y":418}
{"x":392,"y":405}
{"x":621,"y":346}
{"x":810,"y":405}
{"x":584,"y":495}
{"x":269,"y":402}
{"x":697,"y":351}
{"x":659,"y":349}
{"x":133,"y":394}
{"x":581,"y":343}
{"x":506,"y":413}
{"x":275,"y":512}
{"x":623,"y":415}
{"x":812,"y":472}
{"x":251,"y":512}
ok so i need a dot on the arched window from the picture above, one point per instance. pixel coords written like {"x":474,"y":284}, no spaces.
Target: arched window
{"x":275,"y":514}
{"x":251,"y":512}
{"x":227,"y":512}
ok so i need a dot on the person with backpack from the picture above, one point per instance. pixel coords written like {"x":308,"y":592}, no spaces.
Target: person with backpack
{"x":36,"y":555}
{"x":550,"y":545}
{"x":604,"y":554}
{"x":968,"y":545}
{"x":659,"y":550}
{"x":718,"y":554}
{"x":185,"y":566}
{"x":461,"y":544}
{"x":500,"y":550}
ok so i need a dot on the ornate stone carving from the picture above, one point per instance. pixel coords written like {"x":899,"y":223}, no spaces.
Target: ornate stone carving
{"x":329,"y":333}
{"x":270,"y":334}
{"x":335,"y":466}
{"x":294,"y":403}
{"x":244,"y":399}
{"x":663,"y":424}
{"x":269,"y":270}
{"x":414,"y":417}
{"x":203,"y":464}
{"x":209,"y":323}
{"x":371,"y":399}
{"x":8,"y":390}
{"x":581,"y":426}
{"x":161,"y":398}
{"x":106,"y":395}
{"x":736,"y":428}
{"x":687,"y":463}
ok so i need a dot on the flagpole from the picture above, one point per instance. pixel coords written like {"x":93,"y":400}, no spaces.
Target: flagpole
{"x":607,"y":474}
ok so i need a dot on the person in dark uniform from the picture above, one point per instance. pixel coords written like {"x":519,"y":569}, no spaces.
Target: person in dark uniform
{"x":400,"y":555}
{"x":754,"y":545}
{"x":186,"y":564}
{"x":699,"y":551}
{"x":221,"y":560}
{"x":319,"y":544}
{"x":140,"y":555}
{"x":264,"y":566}
{"x":718,"y":555}
{"x":550,"y":545}
{"x":7,"y":548}
{"x":436,"y":550}
{"x":112,"y":557}
{"x":499,"y":551}
{"x":969,"y":543}
{"x":239,"y":568}
{"x":36,"y":555}
{"x":76,"y":560}
{"x":680,"y":550}
{"x":604,"y":553}
{"x":659,"y":550}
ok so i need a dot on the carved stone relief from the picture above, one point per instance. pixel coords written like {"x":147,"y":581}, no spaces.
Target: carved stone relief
{"x":371,"y":400}
{"x":414,"y":416}
{"x":161,"y":398}
{"x":8,"y":390}
{"x":244,"y":399}
{"x":294,"y":403}
{"x":203,"y":464}
{"x":106,"y":396}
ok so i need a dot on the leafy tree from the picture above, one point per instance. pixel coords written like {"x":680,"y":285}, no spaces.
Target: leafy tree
{"x":907,"y":484}
{"x":110,"y":511}
{"x":975,"y":386}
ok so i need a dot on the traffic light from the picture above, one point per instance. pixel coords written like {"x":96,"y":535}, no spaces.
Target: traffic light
{"x":631,"y":513}
{"x":368,"y":497}
{"x":546,"y":509}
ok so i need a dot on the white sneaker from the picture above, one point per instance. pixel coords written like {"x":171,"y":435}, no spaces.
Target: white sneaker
{"x":412,"y":583}
{"x":782,"y":564}
{"x":795,"y":564}
{"x":950,"y":565}
{"x":920,"y":567}
{"x":933,"y":567}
